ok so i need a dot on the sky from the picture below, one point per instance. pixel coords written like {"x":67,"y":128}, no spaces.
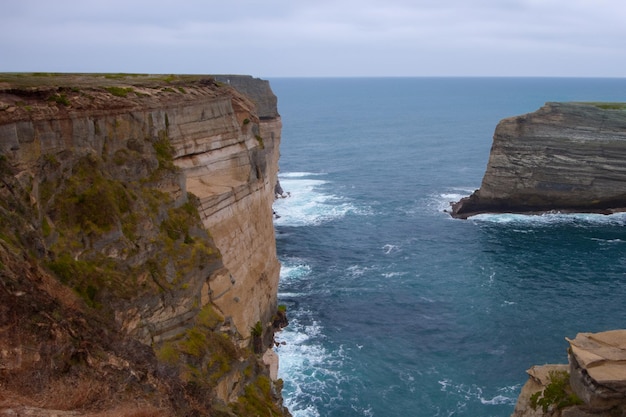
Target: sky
{"x":317,"y":38}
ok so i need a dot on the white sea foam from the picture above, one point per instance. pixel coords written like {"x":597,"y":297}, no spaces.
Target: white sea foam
{"x":552,"y":218}
{"x":498,"y":399}
{"x":392,"y":274}
{"x":356,"y":270}
{"x":306,"y":202}
{"x":305,"y":365}
{"x":389,"y":248}
{"x":282,"y":176}
{"x":293,"y":269}
{"x":608,"y":241}
{"x":506,"y":395}
{"x":440,"y":202}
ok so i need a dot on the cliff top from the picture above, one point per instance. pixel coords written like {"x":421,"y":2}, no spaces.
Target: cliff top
{"x":603,"y":356}
{"x":25,"y":80}
{"x":26,"y":96}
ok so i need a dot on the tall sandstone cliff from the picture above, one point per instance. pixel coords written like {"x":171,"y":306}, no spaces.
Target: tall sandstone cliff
{"x":568,"y":157}
{"x":137,"y":253}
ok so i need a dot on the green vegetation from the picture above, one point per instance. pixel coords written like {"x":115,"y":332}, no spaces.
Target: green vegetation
{"x":257,"y":400}
{"x":168,"y":353}
{"x":203,"y":353}
{"x":260,"y":140}
{"x":164,"y":153}
{"x":209,"y":318}
{"x":119,"y":91}
{"x":59,"y":99}
{"x":121,"y":75}
{"x":89,"y":201}
{"x":609,"y":106}
{"x":257,"y":330}
{"x":557,"y":393}
{"x":85,"y":277}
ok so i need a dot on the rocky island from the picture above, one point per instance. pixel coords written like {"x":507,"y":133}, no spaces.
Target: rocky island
{"x":567,"y":157}
{"x":138,"y":267}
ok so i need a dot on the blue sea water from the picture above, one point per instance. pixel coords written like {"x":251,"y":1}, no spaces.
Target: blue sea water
{"x":395,"y":308}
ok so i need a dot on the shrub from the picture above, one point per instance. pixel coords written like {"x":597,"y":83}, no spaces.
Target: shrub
{"x":60,"y":99}
{"x":557,"y":393}
{"x":260,"y":140}
{"x":119,"y":91}
{"x":257,"y":330}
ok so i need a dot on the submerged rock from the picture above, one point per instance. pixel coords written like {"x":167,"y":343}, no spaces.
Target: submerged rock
{"x":567,"y":157}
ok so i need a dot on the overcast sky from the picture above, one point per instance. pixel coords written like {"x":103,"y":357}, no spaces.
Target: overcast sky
{"x":274,"y":38}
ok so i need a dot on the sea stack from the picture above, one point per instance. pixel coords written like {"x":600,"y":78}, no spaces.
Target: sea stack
{"x":566,"y":157}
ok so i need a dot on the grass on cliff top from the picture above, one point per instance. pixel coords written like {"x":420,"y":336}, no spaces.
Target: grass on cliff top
{"x":58,"y":79}
{"x":608,"y":105}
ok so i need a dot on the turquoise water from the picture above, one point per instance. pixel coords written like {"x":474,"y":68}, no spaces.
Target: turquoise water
{"x":395,"y":308}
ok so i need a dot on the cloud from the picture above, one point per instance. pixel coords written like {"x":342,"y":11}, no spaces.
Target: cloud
{"x":325,"y":37}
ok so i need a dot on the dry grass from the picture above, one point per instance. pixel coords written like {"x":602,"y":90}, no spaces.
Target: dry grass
{"x":132,"y":410}
{"x":81,"y":398}
{"x":73,"y":394}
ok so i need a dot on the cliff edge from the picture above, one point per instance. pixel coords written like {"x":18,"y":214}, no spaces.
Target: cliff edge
{"x":138,"y":267}
{"x":568,"y":157}
{"x":592,"y":384}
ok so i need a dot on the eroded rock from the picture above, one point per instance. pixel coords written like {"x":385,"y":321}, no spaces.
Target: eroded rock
{"x":568,"y":157}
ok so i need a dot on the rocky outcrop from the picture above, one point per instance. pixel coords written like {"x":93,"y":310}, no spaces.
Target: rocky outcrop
{"x":593,"y":384}
{"x":598,"y":369}
{"x":568,"y":157}
{"x":136,"y":244}
{"x":257,"y":90}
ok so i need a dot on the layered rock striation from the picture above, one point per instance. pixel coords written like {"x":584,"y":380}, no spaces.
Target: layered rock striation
{"x":568,"y":157}
{"x":137,"y":250}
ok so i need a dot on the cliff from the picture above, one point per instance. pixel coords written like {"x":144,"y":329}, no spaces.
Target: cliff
{"x":568,"y":157}
{"x":592,"y":384}
{"x":137,"y":254}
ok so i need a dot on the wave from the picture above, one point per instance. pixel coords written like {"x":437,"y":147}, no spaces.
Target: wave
{"x":552,"y":218}
{"x":440,"y":201}
{"x":307,"y":368}
{"x":285,"y":175}
{"x":293,"y":269}
{"x":608,"y":241}
{"x":389,"y":248}
{"x":504,"y":396}
{"x":308,"y":203}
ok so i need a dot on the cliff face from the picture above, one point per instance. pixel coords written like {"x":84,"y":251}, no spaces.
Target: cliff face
{"x":137,"y":242}
{"x":565,"y":157}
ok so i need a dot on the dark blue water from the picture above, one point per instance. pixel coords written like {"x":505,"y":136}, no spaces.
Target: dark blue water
{"x":396,"y":309}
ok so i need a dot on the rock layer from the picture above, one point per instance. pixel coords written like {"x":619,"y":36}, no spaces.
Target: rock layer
{"x":568,"y":157}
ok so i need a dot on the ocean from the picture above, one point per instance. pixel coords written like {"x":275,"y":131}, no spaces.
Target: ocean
{"x":395,"y":308}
